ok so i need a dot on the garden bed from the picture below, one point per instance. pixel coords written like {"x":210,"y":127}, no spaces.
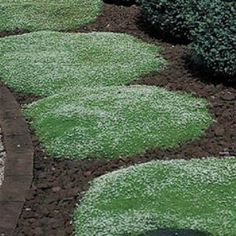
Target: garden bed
{"x":59,"y":183}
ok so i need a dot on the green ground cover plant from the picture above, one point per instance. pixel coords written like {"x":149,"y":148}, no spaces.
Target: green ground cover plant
{"x":195,"y":194}
{"x":43,"y":63}
{"x":37,"y":15}
{"x":115,"y":121}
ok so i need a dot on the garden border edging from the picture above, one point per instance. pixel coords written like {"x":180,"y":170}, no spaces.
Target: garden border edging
{"x":18,"y":172}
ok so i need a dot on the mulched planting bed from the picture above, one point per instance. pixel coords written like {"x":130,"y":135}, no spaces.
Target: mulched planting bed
{"x":59,"y":183}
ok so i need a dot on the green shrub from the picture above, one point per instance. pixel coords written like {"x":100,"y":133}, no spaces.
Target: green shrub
{"x":214,"y":45}
{"x":210,"y":24}
{"x":174,"y":18}
{"x":179,"y":18}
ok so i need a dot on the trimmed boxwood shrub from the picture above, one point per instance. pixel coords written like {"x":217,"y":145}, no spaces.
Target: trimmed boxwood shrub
{"x":214,"y":44}
{"x":174,"y":18}
{"x":179,"y":18}
{"x":210,"y":24}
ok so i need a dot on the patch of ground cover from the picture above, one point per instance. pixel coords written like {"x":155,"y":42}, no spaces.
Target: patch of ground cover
{"x":43,"y":63}
{"x":195,"y":194}
{"x":37,"y":15}
{"x":116,"y":121}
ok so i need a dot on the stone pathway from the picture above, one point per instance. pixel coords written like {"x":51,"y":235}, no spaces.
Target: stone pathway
{"x":2,"y":157}
{"x":18,"y":162}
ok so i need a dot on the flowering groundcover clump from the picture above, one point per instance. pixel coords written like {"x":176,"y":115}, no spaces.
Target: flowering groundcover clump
{"x":108,"y":122}
{"x":43,"y":63}
{"x":36,"y":15}
{"x":195,"y":194}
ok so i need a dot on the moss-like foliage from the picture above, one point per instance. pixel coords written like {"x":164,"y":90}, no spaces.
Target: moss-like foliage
{"x":43,"y":63}
{"x":196,"y":194}
{"x":47,"y":14}
{"x":113,"y":121}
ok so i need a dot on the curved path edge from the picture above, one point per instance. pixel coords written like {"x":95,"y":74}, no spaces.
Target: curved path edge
{"x":18,"y":172}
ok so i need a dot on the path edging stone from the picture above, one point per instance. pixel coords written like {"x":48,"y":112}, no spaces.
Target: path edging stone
{"x":18,"y":173}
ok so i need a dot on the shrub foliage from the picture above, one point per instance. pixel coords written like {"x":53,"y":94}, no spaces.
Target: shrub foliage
{"x":174,"y":18}
{"x":209,"y":24}
{"x":214,"y":44}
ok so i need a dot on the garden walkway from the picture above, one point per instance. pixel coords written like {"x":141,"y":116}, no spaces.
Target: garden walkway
{"x":18,"y":172}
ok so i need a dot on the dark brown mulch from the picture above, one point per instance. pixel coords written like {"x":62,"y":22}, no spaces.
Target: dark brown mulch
{"x":58,"y":184}
{"x":172,"y":232}
{"x":15,"y":32}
